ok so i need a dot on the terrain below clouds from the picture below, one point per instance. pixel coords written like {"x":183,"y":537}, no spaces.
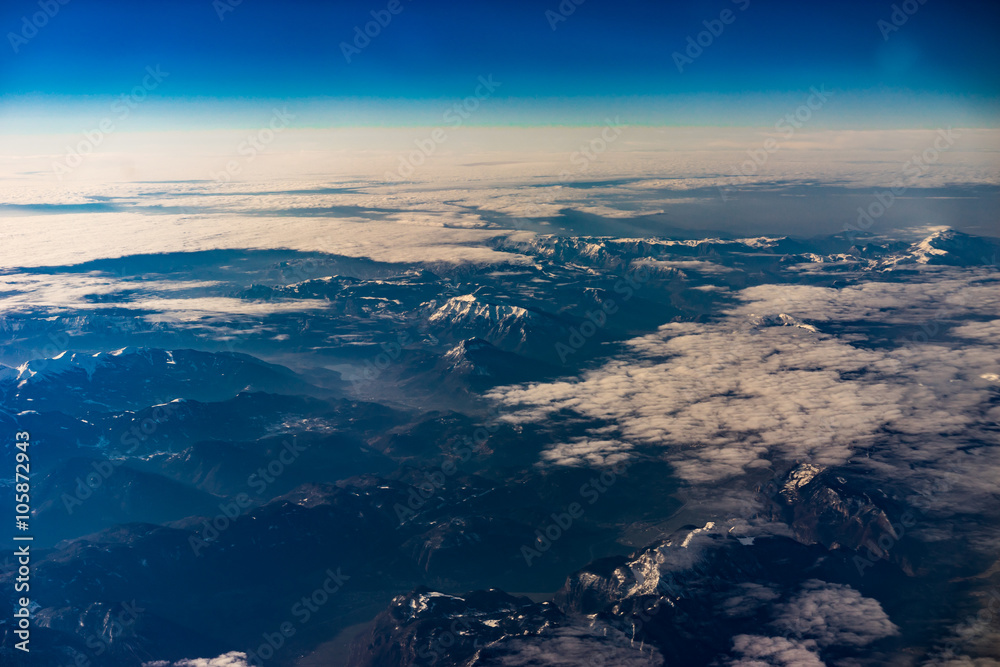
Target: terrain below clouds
{"x":426,"y":434}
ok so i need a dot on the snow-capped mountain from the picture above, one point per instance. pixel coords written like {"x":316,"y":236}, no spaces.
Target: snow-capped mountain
{"x":137,"y":377}
{"x":948,"y":247}
{"x":779,"y":320}
{"x":495,"y":398}
{"x":504,"y":325}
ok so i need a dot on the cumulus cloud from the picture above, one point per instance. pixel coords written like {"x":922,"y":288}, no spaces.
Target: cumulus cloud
{"x":725,"y":399}
{"x":962,"y":661}
{"x":232,"y":659}
{"x":947,"y":294}
{"x":834,"y":615}
{"x":694,"y":266}
{"x":986,"y":332}
{"x":597,"y":646}
{"x":724,"y":402}
{"x":181,"y":302}
{"x":585,"y":451}
{"x":747,"y":599}
{"x":974,"y":641}
{"x":757,"y":651}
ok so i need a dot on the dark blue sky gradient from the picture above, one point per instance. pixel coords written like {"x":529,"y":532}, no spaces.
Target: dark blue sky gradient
{"x":291,"y":49}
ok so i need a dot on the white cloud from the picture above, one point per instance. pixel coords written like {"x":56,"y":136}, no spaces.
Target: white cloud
{"x":985,"y":332}
{"x":747,"y":599}
{"x":438,"y":214}
{"x":834,"y":615}
{"x":233,"y":659}
{"x":120,"y":234}
{"x":962,"y":661}
{"x":723,"y":400}
{"x":694,"y":266}
{"x":757,"y":651}
{"x":585,"y":451}
{"x":598,"y":646}
{"x":947,"y":294}
{"x":158,"y":300}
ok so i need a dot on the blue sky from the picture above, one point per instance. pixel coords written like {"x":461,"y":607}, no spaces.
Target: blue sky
{"x":939,"y":66}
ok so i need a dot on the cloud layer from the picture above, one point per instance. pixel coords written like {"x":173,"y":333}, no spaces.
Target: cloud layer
{"x":725,"y":399}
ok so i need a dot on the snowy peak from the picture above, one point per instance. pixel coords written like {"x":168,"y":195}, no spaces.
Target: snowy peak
{"x":525,"y":331}
{"x":481,"y":364}
{"x":612,"y":253}
{"x":950,"y":248}
{"x":469,"y":309}
{"x":468,"y":348}
{"x":79,"y":362}
{"x":585,"y":250}
{"x":130,"y":378}
{"x":8,"y":373}
{"x":797,"y":478}
{"x":58,"y":365}
{"x":779,"y":320}
{"x":932,"y":246}
{"x":470,"y":356}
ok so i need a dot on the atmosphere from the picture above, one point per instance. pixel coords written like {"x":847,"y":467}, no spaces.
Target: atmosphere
{"x":360,"y":63}
{"x":566,"y":333}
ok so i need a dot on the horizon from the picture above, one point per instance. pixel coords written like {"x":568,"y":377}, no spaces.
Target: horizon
{"x":892,"y":65}
{"x":382,"y":333}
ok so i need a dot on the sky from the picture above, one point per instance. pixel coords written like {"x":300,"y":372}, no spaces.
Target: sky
{"x":772,"y":117}
{"x":151,"y":126}
{"x":554,"y":63}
